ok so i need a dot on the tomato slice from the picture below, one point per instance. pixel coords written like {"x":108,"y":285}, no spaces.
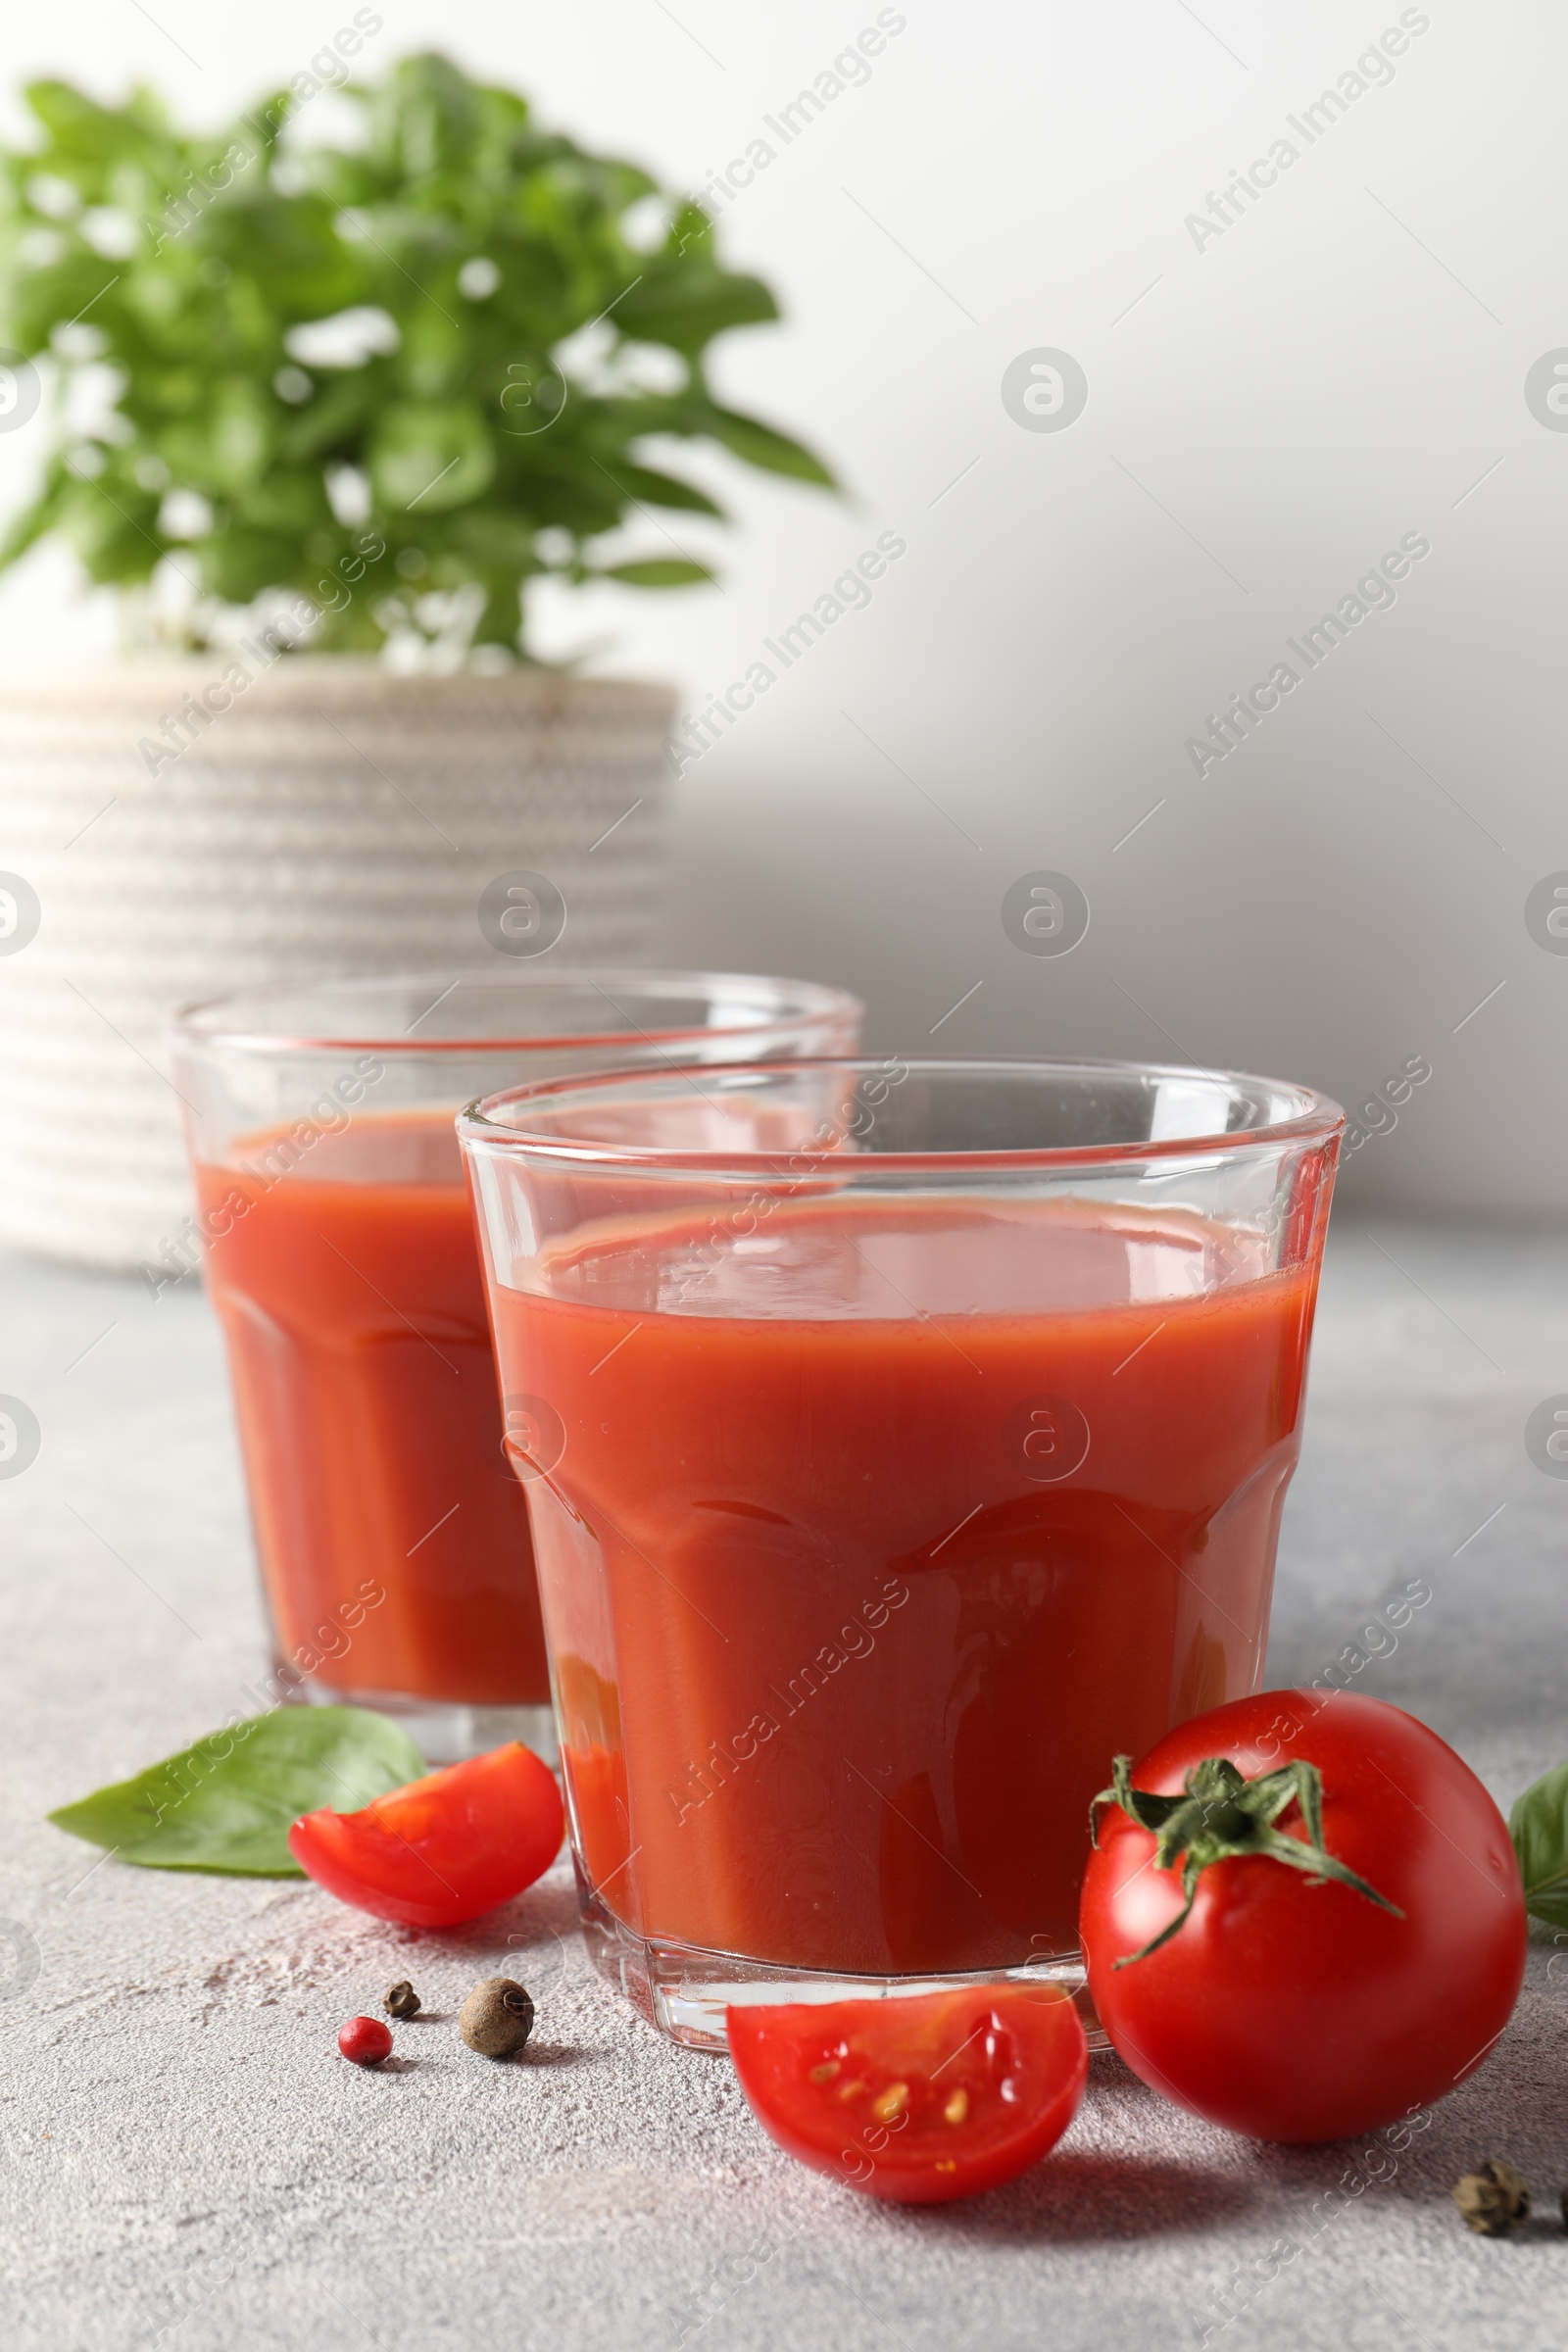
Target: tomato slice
{"x":443,"y":1849}
{"x":919,"y":2098}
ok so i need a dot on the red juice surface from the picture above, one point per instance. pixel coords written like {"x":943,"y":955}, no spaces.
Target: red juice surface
{"x":840,"y":1660}
{"x":350,"y":1293}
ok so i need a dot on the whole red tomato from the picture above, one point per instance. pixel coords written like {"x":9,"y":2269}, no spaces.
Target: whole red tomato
{"x":1296,"y":2008}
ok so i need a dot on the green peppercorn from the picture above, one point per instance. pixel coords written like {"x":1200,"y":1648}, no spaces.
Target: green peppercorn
{"x":497,"y":2018}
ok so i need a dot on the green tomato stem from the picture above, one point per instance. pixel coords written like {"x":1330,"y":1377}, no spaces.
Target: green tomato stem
{"x":1221,"y":1816}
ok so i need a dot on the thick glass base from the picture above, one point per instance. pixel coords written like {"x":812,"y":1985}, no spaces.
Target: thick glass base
{"x":685,"y":1991}
{"x":445,"y":1730}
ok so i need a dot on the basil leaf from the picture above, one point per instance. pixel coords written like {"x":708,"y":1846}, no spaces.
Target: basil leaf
{"x":226,"y":1804}
{"x":659,"y":571}
{"x":1539,"y":1827}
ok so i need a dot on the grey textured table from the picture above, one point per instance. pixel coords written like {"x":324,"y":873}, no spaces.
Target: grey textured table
{"x":188,"y":2161}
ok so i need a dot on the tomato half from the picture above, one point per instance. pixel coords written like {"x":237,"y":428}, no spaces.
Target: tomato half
{"x":919,"y":2099}
{"x":443,"y":1849}
{"x":1296,"y":2010}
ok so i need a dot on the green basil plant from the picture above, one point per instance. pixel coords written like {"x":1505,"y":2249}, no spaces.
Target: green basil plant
{"x":408,"y":371}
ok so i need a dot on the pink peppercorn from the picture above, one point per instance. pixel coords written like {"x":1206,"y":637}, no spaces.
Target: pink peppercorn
{"x":364,"y":2040}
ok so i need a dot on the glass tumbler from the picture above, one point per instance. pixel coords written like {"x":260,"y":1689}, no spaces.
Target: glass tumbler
{"x":912,"y":1438}
{"x":386,"y":1468}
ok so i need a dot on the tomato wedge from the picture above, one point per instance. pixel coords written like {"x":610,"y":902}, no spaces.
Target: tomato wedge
{"x":920,"y":2098}
{"x":443,"y":1849}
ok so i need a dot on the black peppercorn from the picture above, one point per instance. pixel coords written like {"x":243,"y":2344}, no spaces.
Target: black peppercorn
{"x":402,"y":2000}
{"x":497,"y":2018}
{"x":1493,"y":2199}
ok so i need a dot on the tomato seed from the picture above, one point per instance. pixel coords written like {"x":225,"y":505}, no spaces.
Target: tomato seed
{"x":958,"y":2107}
{"x":826,"y":2070}
{"x":890,"y":2102}
{"x":850,"y":2091}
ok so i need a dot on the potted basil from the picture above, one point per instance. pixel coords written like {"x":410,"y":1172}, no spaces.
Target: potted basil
{"x":323,"y":414}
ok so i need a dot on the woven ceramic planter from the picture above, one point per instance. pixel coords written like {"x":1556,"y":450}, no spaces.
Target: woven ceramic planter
{"x":328,"y":819}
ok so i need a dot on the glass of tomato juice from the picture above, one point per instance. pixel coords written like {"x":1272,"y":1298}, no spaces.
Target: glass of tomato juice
{"x":381,"y":1459}
{"x":912,"y":1441}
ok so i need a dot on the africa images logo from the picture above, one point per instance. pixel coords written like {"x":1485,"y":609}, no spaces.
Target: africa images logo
{"x":1547,"y":391}
{"x":1045,"y":390}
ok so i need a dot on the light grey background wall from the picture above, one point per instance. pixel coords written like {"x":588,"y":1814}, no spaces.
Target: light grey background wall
{"x":1271,"y":408}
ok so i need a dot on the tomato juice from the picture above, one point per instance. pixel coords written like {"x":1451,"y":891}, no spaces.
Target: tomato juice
{"x":877,"y":1531}
{"x":392,"y":1532}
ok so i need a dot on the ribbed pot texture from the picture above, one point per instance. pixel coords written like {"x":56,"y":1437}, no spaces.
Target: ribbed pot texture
{"x":334,"y":820}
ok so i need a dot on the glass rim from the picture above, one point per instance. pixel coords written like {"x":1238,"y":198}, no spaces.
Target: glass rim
{"x":1319,"y":1116}
{"x":220,"y":1021}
